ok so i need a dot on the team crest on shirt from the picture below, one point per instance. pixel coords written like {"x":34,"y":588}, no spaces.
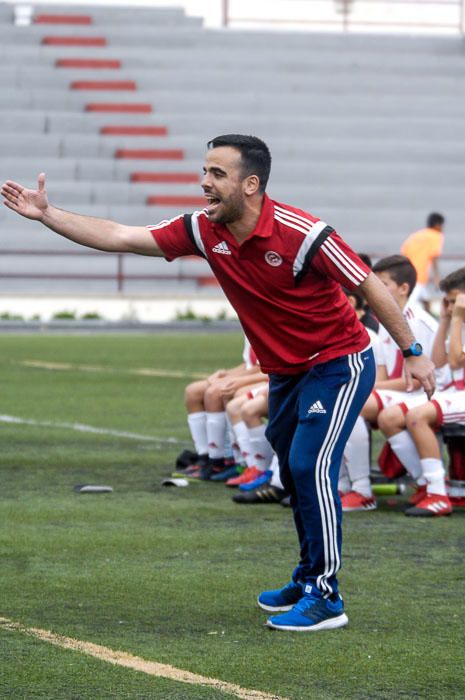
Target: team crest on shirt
{"x":273,"y":259}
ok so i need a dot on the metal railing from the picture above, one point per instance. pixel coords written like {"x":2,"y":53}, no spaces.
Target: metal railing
{"x":120,"y":277}
{"x":420,"y":16}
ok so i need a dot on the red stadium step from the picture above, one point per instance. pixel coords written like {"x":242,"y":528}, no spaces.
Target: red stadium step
{"x":150,"y":154}
{"x":103,"y":85}
{"x":63,"y":19}
{"x":88,"y":63}
{"x":207,"y":282}
{"x":176,"y":200}
{"x":132,"y":108}
{"x":184,"y":178}
{"x":134,"y":130}
{"x":74,"y":41}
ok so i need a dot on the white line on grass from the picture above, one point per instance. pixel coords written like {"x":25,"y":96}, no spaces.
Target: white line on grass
{"x":120,"y":658}
{"x":81,"y":427}
{"x":143,"y":371}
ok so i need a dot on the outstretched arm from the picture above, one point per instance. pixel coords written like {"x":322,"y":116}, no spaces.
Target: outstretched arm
{"x":389,"y":314}
{"x":101,"y":234}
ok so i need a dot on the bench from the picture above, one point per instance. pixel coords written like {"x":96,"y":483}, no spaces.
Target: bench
{"x":454,"y":439}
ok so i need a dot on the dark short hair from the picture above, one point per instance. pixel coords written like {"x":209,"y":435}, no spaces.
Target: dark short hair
{"x":357,"y":296}
{"x":435,"y":219}
{"x":255,"y":155}
{"x":455,"y":280}
{"x":400,"y":269}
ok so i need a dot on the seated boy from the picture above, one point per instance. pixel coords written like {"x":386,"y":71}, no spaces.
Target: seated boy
{"x":398,"y":275}
{"x":446,"y":406}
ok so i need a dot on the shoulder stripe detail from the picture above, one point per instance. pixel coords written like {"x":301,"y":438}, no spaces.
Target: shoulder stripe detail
{"x":350,"y":269}
{"x":309,"y":246}
{"x":195,"y":228}
{"x":334,"y":259}
{"x":292,"y":214}
{"x":297,"y":225}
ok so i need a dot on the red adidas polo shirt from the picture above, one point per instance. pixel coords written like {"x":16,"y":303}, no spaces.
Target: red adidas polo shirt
{"x":284,"y":281}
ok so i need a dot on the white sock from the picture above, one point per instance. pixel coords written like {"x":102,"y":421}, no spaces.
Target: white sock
{"x":228,"y":440}
{"x":434,"y":473}
{"x":241,"y":432}
{"x":236,"y":452}
{"x":275,"y":479}
{"x":344,"y":485}
{"x":197,"y":423}
{"x":260,"y":448}
{"x":216,"y":433}
{"x":357,"y":458}
{"x":405,"y":450}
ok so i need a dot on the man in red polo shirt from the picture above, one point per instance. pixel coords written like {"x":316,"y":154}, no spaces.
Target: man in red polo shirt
{"x":282,"y":269}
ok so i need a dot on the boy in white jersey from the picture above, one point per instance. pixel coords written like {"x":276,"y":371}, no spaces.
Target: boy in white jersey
{"x":446,"y":406}
{"x":398,"y":275}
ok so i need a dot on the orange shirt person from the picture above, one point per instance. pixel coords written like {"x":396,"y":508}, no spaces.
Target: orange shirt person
{"x":423,"y":249}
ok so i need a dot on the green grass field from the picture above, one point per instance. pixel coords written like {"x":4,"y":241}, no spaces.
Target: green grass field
{"x":171,"y":575}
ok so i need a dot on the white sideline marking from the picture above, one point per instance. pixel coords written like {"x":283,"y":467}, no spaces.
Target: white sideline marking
{"x":121,"y":658}
{"x":81,"y":427}
{"x":144,"y":372}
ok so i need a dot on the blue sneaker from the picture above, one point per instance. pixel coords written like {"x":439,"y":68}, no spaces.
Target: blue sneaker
{"x":311,"y":614}
{"x":281,"y":599}
{"x":256,"y":483}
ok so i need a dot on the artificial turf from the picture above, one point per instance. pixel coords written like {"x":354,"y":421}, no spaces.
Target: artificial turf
{"x":172,"y":574}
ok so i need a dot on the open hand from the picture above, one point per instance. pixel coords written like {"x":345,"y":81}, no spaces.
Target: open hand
{"x":421,"y":368}
{"x":29,"y":203}
{"x":445,"y":312}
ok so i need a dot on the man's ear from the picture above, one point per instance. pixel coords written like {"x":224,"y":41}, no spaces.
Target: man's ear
{"x":251,"y":184}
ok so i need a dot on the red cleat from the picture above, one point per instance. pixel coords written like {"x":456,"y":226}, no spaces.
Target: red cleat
{"x":432,"y":505}
{"x":354,"y":501}
{"x":418,"y":496}
{"x":249,"y":474}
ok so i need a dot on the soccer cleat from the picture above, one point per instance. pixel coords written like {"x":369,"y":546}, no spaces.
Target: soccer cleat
{"x":281,"y":599}
{"x":227,"y":473}
{"x":191,"y":469}
{"x":354,"y":501}
{"x":264,"y":478}
{"x":192,"y":472}
{"x":418,"y":496}
{"x":432,"y":505}
{"x":286,"y":502}
{"x":249,"y":474}
{"x":214,"y":466}
{"x":311,"y":614}
{"x":186,"y":458}
{"x":264,"y":494}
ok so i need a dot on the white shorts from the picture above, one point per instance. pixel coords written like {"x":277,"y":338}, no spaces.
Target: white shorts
{"x":450,"y":406}
{"x":404,"y":399}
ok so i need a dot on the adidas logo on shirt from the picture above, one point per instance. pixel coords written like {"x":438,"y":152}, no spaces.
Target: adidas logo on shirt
{"x":222,"y":248}
{"x":317,"y":407}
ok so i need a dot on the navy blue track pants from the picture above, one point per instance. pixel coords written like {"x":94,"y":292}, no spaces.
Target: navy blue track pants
{"x":311,"y":416}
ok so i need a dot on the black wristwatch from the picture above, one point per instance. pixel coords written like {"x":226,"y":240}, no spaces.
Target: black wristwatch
{"x":415,"y":349}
